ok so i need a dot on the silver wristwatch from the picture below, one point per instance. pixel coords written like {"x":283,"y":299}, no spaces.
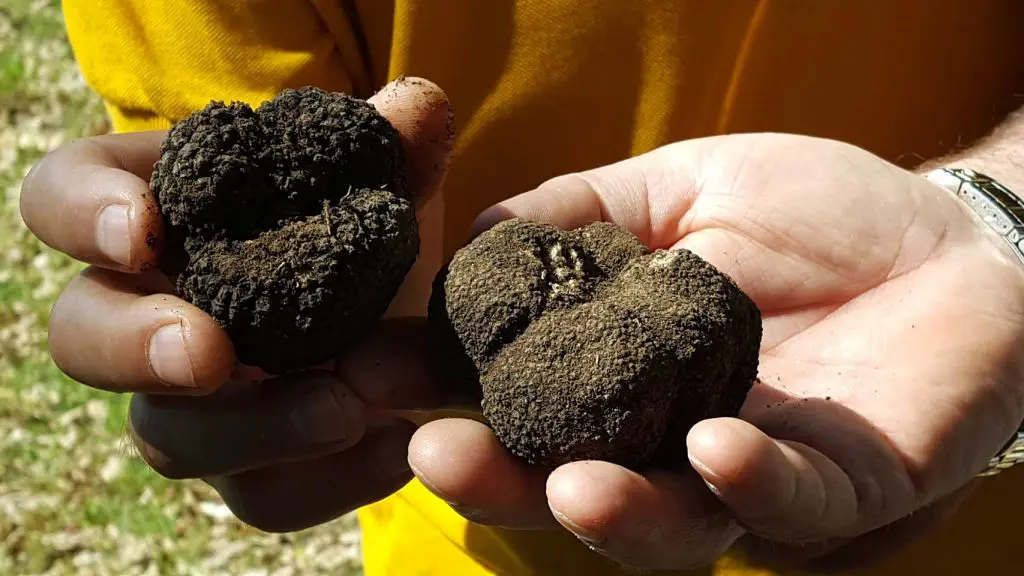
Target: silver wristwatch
{"x":1003,"y":211}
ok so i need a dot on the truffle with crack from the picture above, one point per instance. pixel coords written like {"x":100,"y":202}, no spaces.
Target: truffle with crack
{"x":291,"y":222}
{"x":588,"y":346}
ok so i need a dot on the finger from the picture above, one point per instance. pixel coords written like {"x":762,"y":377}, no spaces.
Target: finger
{"x":567,"y":202}
{"x":462,"y":462}
{"x":784,"y":491}
{"x":880,"y":543}
{"x":299,"y":495}
{"x":658,"y":520}
{"x":649,"y":195}
{"x":90,"y":199}
{"x":420,"y":111}
{"x":245,"y":427}
{"x":399,"y":366}
{"x":847,"y":555}
{"x":110,"y":331}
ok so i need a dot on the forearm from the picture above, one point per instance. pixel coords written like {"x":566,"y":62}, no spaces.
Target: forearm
{"x":999,"y":155}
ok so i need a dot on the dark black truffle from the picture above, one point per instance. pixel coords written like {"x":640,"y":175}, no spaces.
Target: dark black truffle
{"x":588,"y":346}
{"x":292,"y":222}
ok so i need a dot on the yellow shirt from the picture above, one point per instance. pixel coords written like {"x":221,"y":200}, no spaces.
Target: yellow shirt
{"x":544,"y":87}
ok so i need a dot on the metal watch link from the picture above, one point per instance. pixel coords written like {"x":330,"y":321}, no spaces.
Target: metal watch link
{"x":1003,"y":211}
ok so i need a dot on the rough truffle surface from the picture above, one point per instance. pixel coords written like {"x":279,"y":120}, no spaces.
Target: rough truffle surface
{"x":291,"y":222}
{"x":588,"y":346}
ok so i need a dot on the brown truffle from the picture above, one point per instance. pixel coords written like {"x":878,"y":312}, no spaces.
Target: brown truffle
{"x":291,"y":223}
{"x":588,"y":346}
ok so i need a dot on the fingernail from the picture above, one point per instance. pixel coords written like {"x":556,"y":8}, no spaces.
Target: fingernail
{"x":168,"y":357}
{"x":705,"y":473}
{"x":113,"y":234}
{"x":391,"y":454}
{"x":472,"y":514}
{"x":328,"y":414}
{"x":589,"y":537}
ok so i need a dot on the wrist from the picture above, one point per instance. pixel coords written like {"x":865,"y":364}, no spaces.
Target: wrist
{"x":1001,"y":212}
{"x":1000,"y":155}
{"x":1010,"y":175}
{"x":997,"y":210}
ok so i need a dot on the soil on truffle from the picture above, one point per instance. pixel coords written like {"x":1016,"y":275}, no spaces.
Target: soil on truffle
{"x":588,"y":346}
{"x":289,"y":224}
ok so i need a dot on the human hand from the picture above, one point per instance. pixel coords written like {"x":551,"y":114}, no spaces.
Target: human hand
{"x":284,"y":453}
{"x":890,"y":367}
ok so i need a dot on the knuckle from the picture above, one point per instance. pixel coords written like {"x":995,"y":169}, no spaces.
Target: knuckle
{"x":31,"y":188}
{"x":248,"y":501}
{"x":564,"y":181}
{"x":146,"y":433}
{"x":41,"y":168}
{"x":53,"y":162}
{"x":61,"y":320}
{"x":28,"y":187}
{"x":156,"y":459}
{"x":271,"y":522}
{"x":59,"y":313}
{"x":165,"y":465}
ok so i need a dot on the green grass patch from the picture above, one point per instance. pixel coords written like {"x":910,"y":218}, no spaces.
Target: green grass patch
{"x":73,"y":497}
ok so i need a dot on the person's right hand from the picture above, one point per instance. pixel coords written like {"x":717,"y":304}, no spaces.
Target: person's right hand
{"x":284,"y":453}
{"x":890,"y":366}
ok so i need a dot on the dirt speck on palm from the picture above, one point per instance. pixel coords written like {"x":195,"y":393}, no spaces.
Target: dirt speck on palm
{"x":289,"y":224}
{"x":588,"y":346}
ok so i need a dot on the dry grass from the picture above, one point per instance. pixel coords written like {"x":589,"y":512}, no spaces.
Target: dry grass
{"x":72,"y":501}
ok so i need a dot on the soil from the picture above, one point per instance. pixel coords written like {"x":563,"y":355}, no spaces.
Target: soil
{"x":289,"y":224}
{"x":588,"y":346}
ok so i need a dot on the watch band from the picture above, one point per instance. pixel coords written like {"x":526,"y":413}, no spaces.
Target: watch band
{"x":1003,"y":211}
{"x":1008,"y":457}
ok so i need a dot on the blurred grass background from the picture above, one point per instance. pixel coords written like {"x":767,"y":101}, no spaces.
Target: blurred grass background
{"x":72,"y":498}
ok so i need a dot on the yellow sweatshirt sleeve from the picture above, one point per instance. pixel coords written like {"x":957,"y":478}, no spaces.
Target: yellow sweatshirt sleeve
{"x":154,"y":62}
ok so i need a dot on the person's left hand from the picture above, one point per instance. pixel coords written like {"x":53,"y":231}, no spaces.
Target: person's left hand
{"x":890,"y":368}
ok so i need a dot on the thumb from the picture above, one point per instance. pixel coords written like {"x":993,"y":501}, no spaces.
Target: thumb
{"x":649,"y":195}
{"x":421,"y":113}
{"x":780,"y":490}
{"x":617,"y":193}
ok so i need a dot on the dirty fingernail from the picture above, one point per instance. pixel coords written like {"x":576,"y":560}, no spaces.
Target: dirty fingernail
{"x":328,"y":414}
{"x":113,"y":234}
{"x":168,"y":357}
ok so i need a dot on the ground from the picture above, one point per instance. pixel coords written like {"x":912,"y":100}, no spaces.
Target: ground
{"x":73,"y":499}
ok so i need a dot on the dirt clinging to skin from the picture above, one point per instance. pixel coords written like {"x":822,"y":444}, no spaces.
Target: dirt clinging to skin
{"x":588,"y":346}
{"x":290,"y":224}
